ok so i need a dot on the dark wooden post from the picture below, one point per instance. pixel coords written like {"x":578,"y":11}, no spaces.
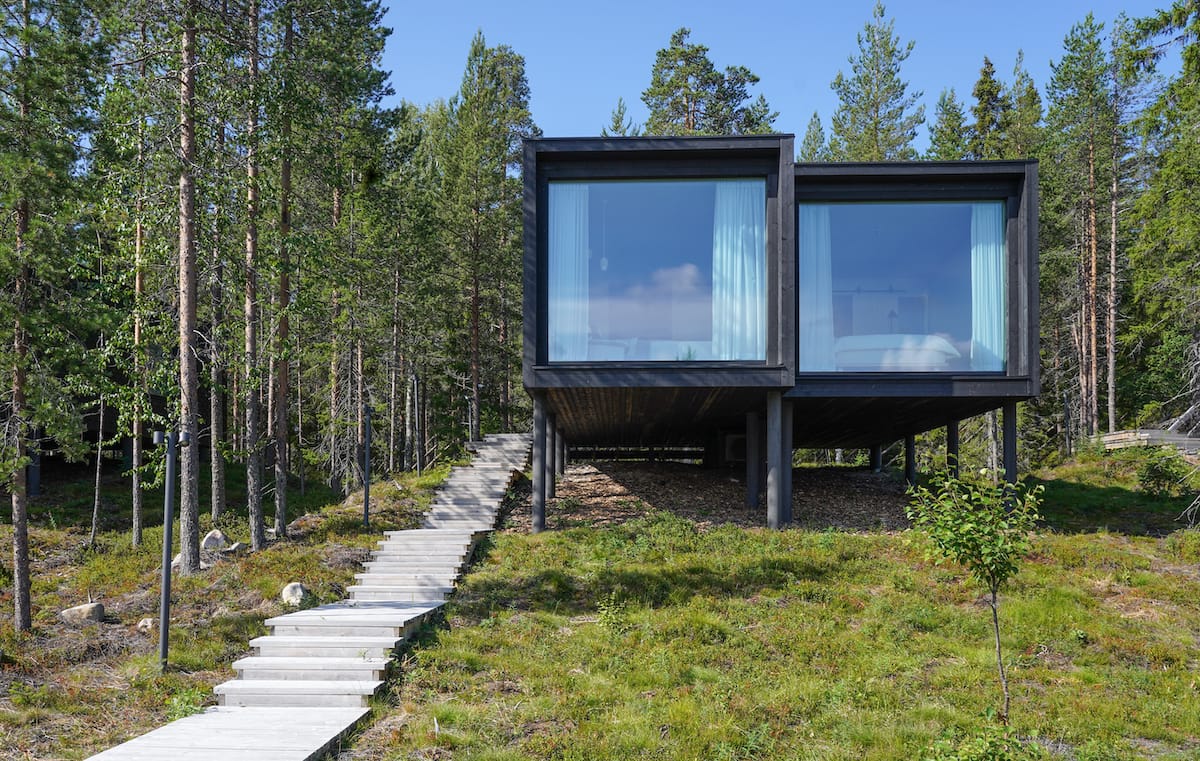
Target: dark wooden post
{"x":551,"y":455}
{"x":1010,"y":442}
{"x":787,"y":462}
{"x":910,"y":459}
{"x":877,"y":458}
{"x":560,"y":455}
{"x":539,"y":464}
{"x":775,"y":510}
{"x":952,"y":448}
{"x":753,"y":459}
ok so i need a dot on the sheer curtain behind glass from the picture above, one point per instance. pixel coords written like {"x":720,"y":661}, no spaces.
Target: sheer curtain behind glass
{"x":987,"y":286}
{"x":739,"y":308}
{"x":816,"y":289}
{"x":568,"y":272}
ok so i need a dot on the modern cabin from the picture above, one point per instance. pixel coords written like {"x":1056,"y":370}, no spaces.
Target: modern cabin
{"x":714,"y":295}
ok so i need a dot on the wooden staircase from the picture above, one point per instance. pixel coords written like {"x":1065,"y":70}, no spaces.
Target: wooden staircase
{"x":318,"y":668}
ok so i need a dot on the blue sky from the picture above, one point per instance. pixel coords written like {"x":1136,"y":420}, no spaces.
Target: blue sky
{"x":580,"y":57}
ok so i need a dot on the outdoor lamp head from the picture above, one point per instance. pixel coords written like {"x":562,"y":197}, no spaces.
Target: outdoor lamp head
{"x":185,"y":439}
{"x":159,"y":438}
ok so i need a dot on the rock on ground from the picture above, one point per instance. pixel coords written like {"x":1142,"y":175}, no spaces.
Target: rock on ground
{"x":83,"y":615}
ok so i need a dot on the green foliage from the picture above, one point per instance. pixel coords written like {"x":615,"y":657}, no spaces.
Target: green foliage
{"x":989,"y":111}
{"x":876,"y":118}
{"x":979,"y":525}
{"x":948,"y":138}
{"x":992,"y":745}
{"x":620,"y":125}
{"x":814,"y":146}
{"x":1184,"y":545}
{"x":186,"y":702}
{"x":1163,"y":472}
{"x":612,"y":613}
{"x":689,"y":96}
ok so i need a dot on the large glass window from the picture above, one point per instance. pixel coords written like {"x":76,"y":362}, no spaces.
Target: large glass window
{"x":901,"y":286}
{"x":657,"y":270}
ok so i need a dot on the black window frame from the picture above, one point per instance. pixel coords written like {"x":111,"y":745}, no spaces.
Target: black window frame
{"x":1015,"y":183}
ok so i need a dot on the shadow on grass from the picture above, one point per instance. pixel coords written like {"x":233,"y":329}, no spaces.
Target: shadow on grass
{"x":1074,"y":508}
{"x":561,"y":591}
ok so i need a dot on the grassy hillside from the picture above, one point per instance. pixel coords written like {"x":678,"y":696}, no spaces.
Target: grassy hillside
{"x":655,"y":639}
{"x":660,"y":621}
{"x":67,"y":693}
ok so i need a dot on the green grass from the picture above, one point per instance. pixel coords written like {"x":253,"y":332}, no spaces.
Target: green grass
{"x":654,"y":640}
{"x":68,"y":693}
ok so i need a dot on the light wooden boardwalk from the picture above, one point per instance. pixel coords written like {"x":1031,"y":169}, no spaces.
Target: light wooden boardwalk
{"x":309,"y":681}
{"x":1149,"y":437}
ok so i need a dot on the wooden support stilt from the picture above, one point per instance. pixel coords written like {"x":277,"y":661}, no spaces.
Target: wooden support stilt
{"x":1010,"y":442}
{"x":753,"y":459}
{"x":775,"y":510}
{"x":539,"y":464}
{"x":877,"y":458}
{"x":551,"y":456}
{"x":787,"y":462}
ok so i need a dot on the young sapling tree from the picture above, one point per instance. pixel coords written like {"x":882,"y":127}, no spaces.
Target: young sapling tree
{"x":982,"y":526}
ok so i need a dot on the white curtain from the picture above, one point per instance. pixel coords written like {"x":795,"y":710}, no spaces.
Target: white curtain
{"x":815,"y":289}
{"x":739,"y":307}
{"x":567,"y":311}
{"x":987,"y":286}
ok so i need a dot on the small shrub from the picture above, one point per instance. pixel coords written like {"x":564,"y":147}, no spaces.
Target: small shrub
{"x":612,"y":614}
{"x":982,"y":526}
{"x":186,"y":702}
{"x":1162,"y":473}
{"x":1184,"y":545}
{"x":990,"y":746}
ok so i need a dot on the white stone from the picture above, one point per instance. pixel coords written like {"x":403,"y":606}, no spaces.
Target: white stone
{"x":295,"y":594}
{"x":214,"y":540}
{"x":82,"y":615}
{"x":235,"y":547}
{"x":177,"y":561}
{"x":146,"y":625}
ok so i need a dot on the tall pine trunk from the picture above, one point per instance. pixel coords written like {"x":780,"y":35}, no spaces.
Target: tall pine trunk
{"x":138,"y":432}
{"x":253,"y":390}
{"x":1110,"y":333}
{"x":475,"y":358}
{"x":22,"y":610}
{"x":281,"y":380}
{"x":1093,"y":293}
{"x":216,"y":364}
{"x":189,"y":380}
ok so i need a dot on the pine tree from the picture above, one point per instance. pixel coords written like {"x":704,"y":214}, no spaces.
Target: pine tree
{"x":989,"y":112}
{"x":1020,"y":123}
{"x":1079,"y":118}
{"x":620,"y":125}
{"x":814,"y":147}
{"x":1166,"y":279}
{"x":948,"y":138}
{"x":877,"y":118}
{"x":689,"y":96}
{"x":49,"y":72}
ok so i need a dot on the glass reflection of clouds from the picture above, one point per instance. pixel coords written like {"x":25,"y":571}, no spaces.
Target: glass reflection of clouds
{"x":658,"y":270}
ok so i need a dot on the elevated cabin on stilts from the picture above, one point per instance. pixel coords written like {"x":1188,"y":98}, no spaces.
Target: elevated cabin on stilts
{"x":710,"y":294}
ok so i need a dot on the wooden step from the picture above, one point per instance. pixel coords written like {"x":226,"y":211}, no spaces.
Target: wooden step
{"x":327,"y":646}
{"x":306,"y":692}
{"x":311,"y":667}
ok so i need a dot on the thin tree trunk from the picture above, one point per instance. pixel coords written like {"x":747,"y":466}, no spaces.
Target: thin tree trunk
{"x":1110,"y":335}
{"x":139,"y":366}
{"x":96,"y":482}
{"x":216,"y":365}
{"x":394,"y":375}
{"x":253,"y":390}
{"x":189,"y":380}
{"x":995,"y":601}
{"x":506,"y":380}
{"x":409,"y":417}
{"x":280,"y":408}
{"x":22,"y":612}
{"x":360,"y":407}
{"x":475,"y":359}
{"x":1093,"y":294}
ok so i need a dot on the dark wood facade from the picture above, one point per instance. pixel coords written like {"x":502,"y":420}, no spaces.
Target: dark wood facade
{"x":654,"y":404}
